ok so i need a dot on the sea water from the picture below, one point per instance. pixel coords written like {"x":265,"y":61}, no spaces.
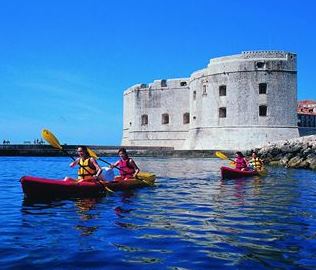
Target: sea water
{"x":191,"y":219}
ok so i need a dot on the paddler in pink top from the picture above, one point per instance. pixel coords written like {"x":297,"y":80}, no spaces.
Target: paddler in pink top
{"x":128,"y":167}
{"x":241,"y":162}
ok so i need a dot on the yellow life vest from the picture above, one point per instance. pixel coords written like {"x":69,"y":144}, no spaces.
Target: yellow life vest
{"x":86,"y":168}
{"x":256,"y":163}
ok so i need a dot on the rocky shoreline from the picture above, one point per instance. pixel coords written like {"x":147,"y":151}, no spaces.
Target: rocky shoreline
{"x":294,"y":153}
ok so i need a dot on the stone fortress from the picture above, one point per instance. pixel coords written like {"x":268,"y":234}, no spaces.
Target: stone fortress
{"x":237,"y":102}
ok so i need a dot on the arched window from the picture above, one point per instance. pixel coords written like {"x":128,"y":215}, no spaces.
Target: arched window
{"x":165,"y":119}
{"x":263,"y":110}
{"x":186,"y":118}
{"x":163,"y":83}
{"x":144,"y":119}
{"x":222,"y":112}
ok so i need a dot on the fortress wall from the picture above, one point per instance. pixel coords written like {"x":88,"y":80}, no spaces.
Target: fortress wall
{"x":242,"y":125}
{"x":128,"y":112}
{"x":232,"y":138}
{"x":154,"y":100}
{"x":241,"y":128}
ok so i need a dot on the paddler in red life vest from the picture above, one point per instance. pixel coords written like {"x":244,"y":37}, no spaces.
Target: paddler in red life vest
{"x":241,"y":162}
{"x":89,"y":169}
{"x":128,"y":167}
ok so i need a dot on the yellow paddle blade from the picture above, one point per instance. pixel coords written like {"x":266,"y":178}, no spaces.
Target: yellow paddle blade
{"x":263,"y":172}
{"x":51,"y":139}
{"x":147,"y":177}
{"x":232,"y":164}
{"x":220,"y":155}
{"x":92,"y":153}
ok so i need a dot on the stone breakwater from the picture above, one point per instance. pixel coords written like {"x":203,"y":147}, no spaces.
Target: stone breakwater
{"x":294,"y":153}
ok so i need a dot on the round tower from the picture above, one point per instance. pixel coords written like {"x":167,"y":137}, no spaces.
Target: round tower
{"x":243,"y":101}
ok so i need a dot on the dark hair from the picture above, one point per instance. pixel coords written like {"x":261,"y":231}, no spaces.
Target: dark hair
{"x":123,"y":150}
{"x":240,"y":154}
{"x":84,"y":149}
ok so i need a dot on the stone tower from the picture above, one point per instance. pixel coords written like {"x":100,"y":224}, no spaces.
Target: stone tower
{"x":236,"y":103}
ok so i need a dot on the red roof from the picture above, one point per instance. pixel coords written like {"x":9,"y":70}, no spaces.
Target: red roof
{"x":307,"y":102}
{"x":306,"y":107}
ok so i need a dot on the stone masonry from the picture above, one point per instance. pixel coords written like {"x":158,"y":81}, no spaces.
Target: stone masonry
{"x":237,"y":102}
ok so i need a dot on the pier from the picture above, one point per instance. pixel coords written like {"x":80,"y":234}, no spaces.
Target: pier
{"x":45,"y":150}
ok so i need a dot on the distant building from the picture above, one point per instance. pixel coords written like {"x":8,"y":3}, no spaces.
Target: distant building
{"x":306,"y":114}
{"x":236,"y":102}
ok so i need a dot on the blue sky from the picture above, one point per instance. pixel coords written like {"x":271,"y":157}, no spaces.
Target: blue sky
{"x":64,"y":64}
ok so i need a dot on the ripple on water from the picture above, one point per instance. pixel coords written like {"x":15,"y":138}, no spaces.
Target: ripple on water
{"x":191,"y":220}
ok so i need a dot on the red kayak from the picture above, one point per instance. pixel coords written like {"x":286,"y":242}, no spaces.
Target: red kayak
{"x":36,"y":187}
{"x":230,"y":173}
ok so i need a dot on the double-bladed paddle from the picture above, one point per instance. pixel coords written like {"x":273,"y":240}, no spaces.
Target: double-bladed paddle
{"x":140,"y":176}
{"x":223,"y":156}
{"x":53,"y":141}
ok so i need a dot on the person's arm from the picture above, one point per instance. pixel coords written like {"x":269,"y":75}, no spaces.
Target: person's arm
{"x":115,"y":164}
{"x":74,"y":163}
{"x":133,"y":164}
{"x":98,"y":168}
{"x":247,"y":162}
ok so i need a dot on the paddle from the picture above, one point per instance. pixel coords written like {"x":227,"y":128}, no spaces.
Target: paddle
{"x":140,"y":176}
{"x":94,"y":155}
{"x":223,"y":156}
{"x":53,"y":141}
{"x":261,"y":172}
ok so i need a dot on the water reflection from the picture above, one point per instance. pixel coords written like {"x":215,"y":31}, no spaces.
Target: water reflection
{"x":86,"y":210}
{"x":191,"y":220}
{"x":119,"y":211}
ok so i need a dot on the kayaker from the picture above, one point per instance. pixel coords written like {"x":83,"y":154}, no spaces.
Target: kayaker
{"x":241,"y":162}
{"x":255,"y":162}
{"x":128,"y":167}
{"x":89,"y":169}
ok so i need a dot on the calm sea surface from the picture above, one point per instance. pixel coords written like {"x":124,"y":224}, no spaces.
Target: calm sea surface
{"x":191,"y":219}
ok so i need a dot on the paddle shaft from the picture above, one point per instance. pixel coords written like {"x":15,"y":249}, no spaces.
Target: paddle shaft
{"x":111,"y":164}
{"x":53,"y":141}
{"x":93,"y":154}
{"x":123,"y":171}
{"x":99,"y":181}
